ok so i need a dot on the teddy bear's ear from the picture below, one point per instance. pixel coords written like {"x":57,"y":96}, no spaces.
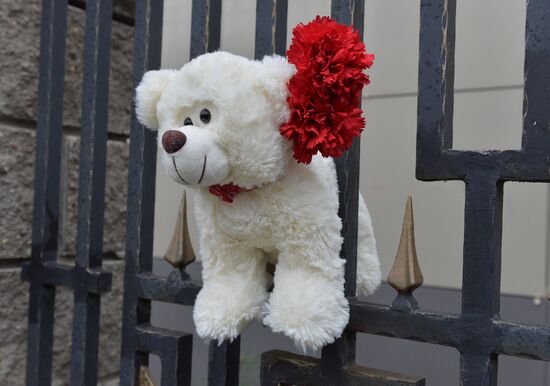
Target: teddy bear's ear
{"x":148,"y":94}
{"x":277,"y":72}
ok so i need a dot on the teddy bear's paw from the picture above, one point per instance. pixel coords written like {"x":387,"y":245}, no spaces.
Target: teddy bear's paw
{"x":311,"y":319}
{"x":221,"y":315}
{"x":309,"y":330}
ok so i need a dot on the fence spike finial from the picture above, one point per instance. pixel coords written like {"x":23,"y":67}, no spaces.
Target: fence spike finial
{"x":405,"y":275}
{"x":180,"y":252}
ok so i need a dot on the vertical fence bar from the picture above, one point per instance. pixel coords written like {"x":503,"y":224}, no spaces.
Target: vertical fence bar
{"x":342,"y":352}
{"x":271,"y":23}
{"x":536,"y":111}
{"x":91,"y":198}
{"x":223,"y":363}
{"x":46,"y":189}
{"x":481,"y":275}
{"x":478,"y":369}
{"x":141,"y":194}
{"x":205,"y":26}
{"x":176,"y":363}
{"x":435,"y":83}
{"x":482,"y":244}
{"x":347,"y":166}
{"x":484,"y":193}
{"x":223,"y":359}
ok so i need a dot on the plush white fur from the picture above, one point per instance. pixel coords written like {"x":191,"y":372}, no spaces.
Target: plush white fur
{"x":290,"y":218}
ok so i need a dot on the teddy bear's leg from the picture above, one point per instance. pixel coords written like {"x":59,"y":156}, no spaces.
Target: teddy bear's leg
{"x":368,"y":265}
{"x":234,"y":288}
{"x":306,"y":304}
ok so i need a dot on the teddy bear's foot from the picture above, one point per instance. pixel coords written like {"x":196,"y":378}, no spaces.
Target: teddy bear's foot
{"x":307,"y":307}
{"x":222,"y":311}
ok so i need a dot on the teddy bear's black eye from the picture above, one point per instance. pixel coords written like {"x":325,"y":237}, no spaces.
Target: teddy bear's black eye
{"x":187,"y":122}
{"x":205,"y":115}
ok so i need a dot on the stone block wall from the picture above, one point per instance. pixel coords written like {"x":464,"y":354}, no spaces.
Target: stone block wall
{"x":19,"y":57}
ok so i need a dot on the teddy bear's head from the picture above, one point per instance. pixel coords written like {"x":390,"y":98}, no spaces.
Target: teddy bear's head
{"x":230,"y":121}
{"x":218,"y":119}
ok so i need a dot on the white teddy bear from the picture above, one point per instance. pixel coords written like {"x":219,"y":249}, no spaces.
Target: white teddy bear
{"x":219,"y":120}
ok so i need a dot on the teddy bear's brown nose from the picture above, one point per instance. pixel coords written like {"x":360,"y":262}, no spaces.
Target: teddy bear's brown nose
{"x":173,"y":140}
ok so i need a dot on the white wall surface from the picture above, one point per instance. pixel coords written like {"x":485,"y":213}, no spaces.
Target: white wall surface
{"x":488,"y":115}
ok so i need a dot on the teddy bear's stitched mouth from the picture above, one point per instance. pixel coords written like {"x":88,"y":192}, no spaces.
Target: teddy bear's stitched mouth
{"x":177,"y":172}
{"x":181,"y":178}
{"x":203,"y":170}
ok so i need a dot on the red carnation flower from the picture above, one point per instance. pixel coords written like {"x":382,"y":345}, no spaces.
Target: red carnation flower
{"x":325,"y":91}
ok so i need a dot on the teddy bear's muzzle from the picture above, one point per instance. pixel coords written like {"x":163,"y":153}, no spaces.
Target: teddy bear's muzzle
{"x":192,"y":156}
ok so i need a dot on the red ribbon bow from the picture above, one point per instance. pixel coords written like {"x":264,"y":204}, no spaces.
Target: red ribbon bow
{"x":227,"y":192}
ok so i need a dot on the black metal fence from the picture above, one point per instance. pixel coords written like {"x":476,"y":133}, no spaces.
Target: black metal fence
{"x":477,"y":332}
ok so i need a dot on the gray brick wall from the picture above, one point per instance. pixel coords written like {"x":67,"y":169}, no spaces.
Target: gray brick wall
{"x":19,"y":56}
{"x":19,"y":52}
